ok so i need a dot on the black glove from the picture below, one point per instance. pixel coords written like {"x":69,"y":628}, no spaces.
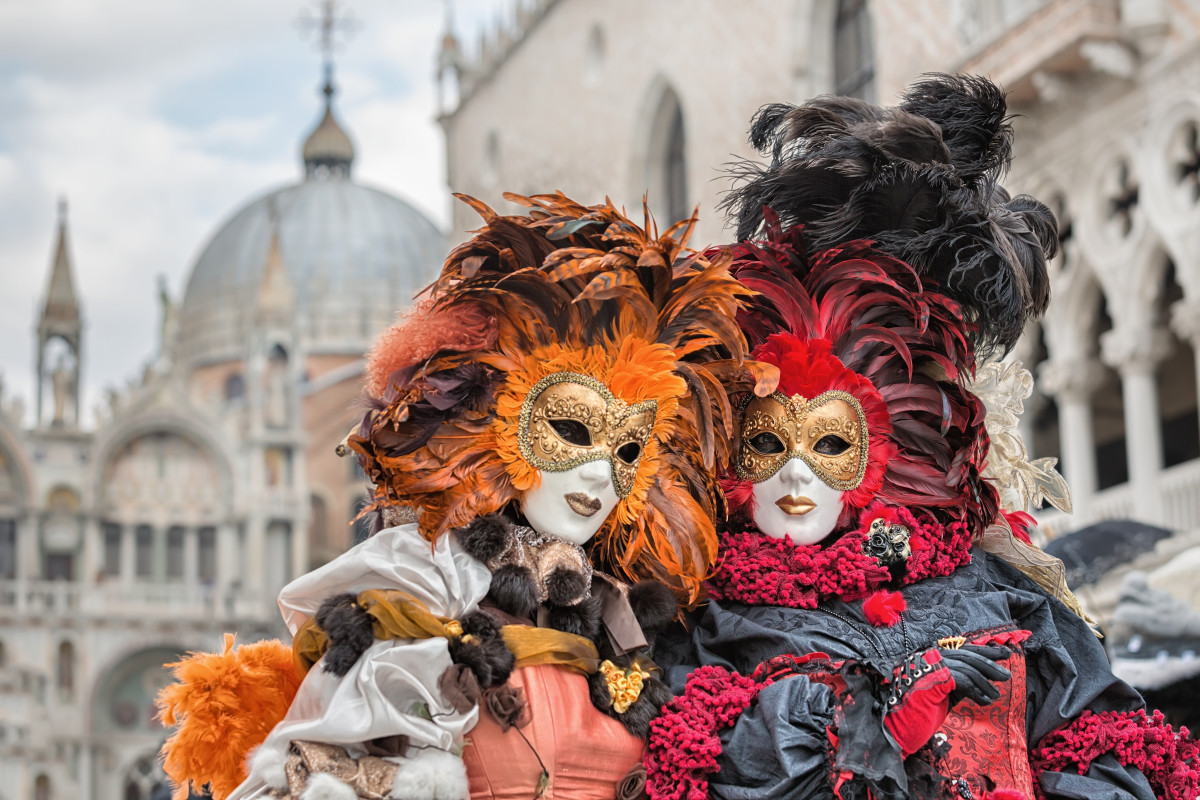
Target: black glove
{"x":975,"y":671}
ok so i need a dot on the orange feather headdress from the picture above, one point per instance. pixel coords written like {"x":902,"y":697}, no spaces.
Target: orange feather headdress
{"x":565,"y":288}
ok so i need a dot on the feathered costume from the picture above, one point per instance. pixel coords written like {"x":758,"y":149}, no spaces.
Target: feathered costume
{"x":893,"y":659}
{"x":565,"y":341}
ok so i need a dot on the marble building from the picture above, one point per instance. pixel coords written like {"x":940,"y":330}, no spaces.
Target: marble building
{"x":656,"y":97}
{"x":203,"y":489}
{"x":624,"y":98}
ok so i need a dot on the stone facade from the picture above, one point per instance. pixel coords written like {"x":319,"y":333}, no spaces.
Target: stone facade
{"x":202,"y":489}
{"x":573,"y":96}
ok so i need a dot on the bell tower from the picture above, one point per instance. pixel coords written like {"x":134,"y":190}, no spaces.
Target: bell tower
{"x":59,"y":338}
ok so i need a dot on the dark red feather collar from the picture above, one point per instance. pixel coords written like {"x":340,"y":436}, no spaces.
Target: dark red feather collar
{"x":755,"y":569}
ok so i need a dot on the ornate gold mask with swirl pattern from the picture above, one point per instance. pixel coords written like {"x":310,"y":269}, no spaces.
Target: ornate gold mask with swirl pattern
{"x":569,"y":419}
{"x":829,"y":433}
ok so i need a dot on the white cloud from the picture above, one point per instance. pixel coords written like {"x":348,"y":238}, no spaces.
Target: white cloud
{"x":159,"y":119}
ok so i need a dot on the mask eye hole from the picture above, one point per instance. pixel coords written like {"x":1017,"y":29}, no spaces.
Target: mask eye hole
{"x":767,"y":444}
{"x":629,"y":452}
{"x":831,"y":445}
{"x":572,"y":432}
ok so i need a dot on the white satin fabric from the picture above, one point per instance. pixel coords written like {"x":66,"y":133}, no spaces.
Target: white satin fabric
{"x":381,"y":694}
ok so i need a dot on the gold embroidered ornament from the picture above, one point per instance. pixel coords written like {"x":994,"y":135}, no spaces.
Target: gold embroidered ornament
{"x":624,"y":685}
{"x":829,"y":433}
{"x":569,"y":419}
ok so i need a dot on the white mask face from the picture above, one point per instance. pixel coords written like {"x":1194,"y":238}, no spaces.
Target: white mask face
{"x":796,"y":504}
{"x":572,"y":504}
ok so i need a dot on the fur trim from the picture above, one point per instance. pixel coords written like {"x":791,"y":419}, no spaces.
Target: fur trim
{"x":581,"y":619}
{"x":269,"y":765}
{"x":323,"y":786}
{"x":485,"y":538}
{"x":565,"y":587}
{"x":349,"y":629}
{"x":482,"y":649}
{"x":514,"y":591}
{"x":653,"y":605}
{"x":431,"y":775}
{"x":243,"y":693}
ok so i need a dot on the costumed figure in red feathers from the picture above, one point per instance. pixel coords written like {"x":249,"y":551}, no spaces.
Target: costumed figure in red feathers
{"x":544,"y":435}
{"x":860,"y":642}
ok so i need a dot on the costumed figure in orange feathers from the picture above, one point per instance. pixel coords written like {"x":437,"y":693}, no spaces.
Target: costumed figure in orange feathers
{"x":867,"y":635}
{"x":545,"y":436}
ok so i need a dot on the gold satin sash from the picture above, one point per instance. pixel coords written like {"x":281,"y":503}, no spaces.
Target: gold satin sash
{"x":398,"y":615}
{"x":532,"y":646}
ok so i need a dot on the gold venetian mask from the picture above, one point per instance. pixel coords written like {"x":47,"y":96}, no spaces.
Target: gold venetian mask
{"x":829,"y":433}
{"x":569,"y":419}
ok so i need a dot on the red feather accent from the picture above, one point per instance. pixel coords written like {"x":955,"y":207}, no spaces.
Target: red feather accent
{"x":884,"y":608}
{"x":1021,"y":524}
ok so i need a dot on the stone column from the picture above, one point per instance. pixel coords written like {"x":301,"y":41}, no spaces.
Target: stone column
{"x":1136,"y":353}
{"x":128,"y":550}
{"x":29,"y":549}
{"x":1072,"y":382}
{"x":191,"y":556}
{"x":1185,"y":322}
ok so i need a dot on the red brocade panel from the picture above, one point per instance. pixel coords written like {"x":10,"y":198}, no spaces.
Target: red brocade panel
{"x":987,"y":744}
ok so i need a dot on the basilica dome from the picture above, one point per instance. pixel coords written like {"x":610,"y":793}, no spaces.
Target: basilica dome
{"x":354,"y":256}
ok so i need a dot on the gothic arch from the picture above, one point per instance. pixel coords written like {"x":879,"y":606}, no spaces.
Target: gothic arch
{"x":15,"y":467}
{"x":170,"y":424}
{"x":660,"y":167}
{"x":122,"y":699}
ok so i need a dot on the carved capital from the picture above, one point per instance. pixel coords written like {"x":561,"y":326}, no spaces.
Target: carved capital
{"x":1069,"y":381}
{"x":1185,"y":320}
{"x":1136,"y":351}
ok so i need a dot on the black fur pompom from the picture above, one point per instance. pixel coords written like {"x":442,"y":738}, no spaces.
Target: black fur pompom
{"x":485,"y":538}
{"x":514,"y":591}
{"x":581,"y":619}
{"x":654,"y":605}
{"x":483,"y":650}
{"x":565,"y":586}
{"x":348,"y":628}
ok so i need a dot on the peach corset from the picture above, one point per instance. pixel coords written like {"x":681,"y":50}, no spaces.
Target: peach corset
{"x":585,"y":751}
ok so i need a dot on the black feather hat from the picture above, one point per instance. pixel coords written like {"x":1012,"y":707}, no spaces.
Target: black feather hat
{"x":922,"y":180}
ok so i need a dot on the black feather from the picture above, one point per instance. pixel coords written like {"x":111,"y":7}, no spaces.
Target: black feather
{"x":921,"y":180}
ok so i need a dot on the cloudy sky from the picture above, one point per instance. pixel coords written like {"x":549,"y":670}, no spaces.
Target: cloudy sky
{"x":157,"y":119}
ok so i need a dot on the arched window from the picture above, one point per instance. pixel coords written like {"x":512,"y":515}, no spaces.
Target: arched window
{"x":8,"y":549}
{"x":3,"y":656}
{"x":41,"y":788}
{"x":1108,"y":416}
{"x":318,"y":532}
{"x":1176,"y":379}
{"x":853,"y":51}
{"x":235,"y":387}
{"x":1047,"y":441}
{"x":65,"y":674}
{"x":144,"y":551}
{"x":666,"y":166}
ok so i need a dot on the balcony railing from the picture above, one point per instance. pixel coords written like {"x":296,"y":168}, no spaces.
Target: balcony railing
{"x":1058,"y":39}
{"x":156,"y":601}
{"x":1179,"y":489}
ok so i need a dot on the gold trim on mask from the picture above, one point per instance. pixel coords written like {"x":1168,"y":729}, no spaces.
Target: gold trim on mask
{"x":611,"y":423}
{"x":800,"y":423}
